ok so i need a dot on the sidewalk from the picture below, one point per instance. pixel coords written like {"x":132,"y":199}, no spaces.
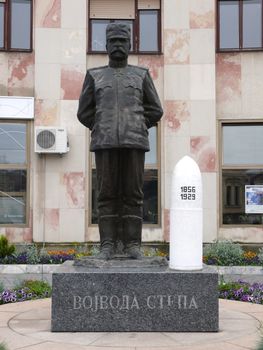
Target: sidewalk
{"x":26,"y":326}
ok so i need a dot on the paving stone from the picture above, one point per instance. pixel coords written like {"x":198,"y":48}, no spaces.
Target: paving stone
{"x":29,"y":326}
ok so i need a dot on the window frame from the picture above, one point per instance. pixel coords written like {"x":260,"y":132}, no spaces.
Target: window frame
{"x":157,"y":166}
{"x":223,"y":167}
{"x":8,"y":29}
{"x":240,"y":28}
{"x":25,"y":167}
{"x":136,"y":31}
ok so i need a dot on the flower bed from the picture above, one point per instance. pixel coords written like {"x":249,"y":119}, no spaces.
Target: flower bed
{"x":28,"y":290}
{"x":227,"y":253}
{"x":242,"y":291}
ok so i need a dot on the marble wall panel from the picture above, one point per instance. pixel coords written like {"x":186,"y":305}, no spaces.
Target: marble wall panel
{"x":242,"y":234}
{"x":150,"y":234}
{"x":202,"y":46}
{"x":202,"y":14}
{"x":75,"y":160}
{"x":47,"y":81}
{"x":48,"y":45}
{"x":52,"y":224}
{"x":51,"y":183}
{"x":72,"y":193}
{"x":74,"y":17}
{"x":177,"y":82}
{"x":176,"y":46}
{"x":166,"y":225}
{"x":228,"y":84}
{"x":177,"y":116}
{"x":153,"y":63}
{"x":73,"y":46}
{"x":46,"y":112}
{"x":252,"y":84}
{"x":203,"y":150}
{"x":69,"y":120}
{"x":176,"y":14}
{"x":176,"y":148}
{"x":202,"y":81}
{"x":21,"y":74}
{"x":72,"y":225}
{"x":209,"y":181}
{"x":47,"y":13}
{"x":210,"y":225}
{"x":94,"y":61}
{"x":4,"y":74}
{"x":203,"y":118}
{"x":72,"y":78}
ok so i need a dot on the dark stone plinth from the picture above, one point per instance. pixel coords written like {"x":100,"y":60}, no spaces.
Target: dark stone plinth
{"x":121,"y":262}
{"x":130,"y":299}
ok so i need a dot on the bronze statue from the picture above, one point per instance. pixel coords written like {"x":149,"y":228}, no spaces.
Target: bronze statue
{"x":119,"y":103}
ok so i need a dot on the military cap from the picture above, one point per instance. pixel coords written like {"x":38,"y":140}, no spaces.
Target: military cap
{"x":118,"y":30}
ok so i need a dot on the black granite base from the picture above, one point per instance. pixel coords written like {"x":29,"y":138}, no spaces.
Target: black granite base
{"x":129,"y":299}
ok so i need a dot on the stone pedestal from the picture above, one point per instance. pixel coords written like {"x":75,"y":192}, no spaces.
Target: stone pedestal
{"x":133,"y":296}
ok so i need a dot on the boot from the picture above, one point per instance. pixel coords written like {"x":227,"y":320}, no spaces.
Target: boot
{"x":132,"y":230}
{"x":107,"y":229}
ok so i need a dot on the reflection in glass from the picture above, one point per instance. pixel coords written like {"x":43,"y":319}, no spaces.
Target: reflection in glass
{"x":12,"y":196}
{"x":233,"y":185}
{"x":252,"y":23}
{"x":20,"y":24}
{"x":12,"y":143}
{"x":242,"y":144}
{"x":99,"y":33}
{"x":150,"y":205}
{"x":151,"y":156}
{"x":148,"y":30}
{"x":2,"y":8}
{"x":229,"y":24}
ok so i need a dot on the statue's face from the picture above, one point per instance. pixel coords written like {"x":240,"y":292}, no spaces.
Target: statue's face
{"x":118,"y":48}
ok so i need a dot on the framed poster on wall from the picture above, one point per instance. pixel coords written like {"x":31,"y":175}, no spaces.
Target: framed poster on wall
{"x":254,"y":199}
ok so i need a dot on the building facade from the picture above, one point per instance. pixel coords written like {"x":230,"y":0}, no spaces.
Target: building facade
{"x":206,"y":60}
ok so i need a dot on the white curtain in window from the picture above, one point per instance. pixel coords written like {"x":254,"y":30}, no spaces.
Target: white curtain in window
{"x":148,"y":4}
{"x":115,"y":9}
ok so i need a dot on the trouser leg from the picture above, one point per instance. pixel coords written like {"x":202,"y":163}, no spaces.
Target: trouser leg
{"x":108,"y":199}
{"x":132,"y":198}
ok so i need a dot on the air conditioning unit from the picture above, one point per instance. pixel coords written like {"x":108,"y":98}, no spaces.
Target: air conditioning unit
{"x":51,"y":140}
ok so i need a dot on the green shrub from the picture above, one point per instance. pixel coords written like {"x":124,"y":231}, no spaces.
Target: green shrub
{"x":6,"y":249}
{"x":39,"y":288}
{"x":224,"y":253}
{"x":28,"y":254}
{"x":3,"y":346}
{"x":260,"y":255}
{"x":260,"y":345}
{"x":1,"y":289}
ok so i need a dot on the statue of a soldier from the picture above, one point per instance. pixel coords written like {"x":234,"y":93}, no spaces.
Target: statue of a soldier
{"x":119,"y":103}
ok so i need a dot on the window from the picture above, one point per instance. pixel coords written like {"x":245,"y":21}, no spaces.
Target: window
{"x":242,"y":170}
{"x":13,"y":173}
{"x":151,"y":204}
{"x":16,"y":25}
{"x":143,"y":19}
{"x":240,"y":25}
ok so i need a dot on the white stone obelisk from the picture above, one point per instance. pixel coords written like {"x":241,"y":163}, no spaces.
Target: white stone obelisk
{"x":186,"y":216}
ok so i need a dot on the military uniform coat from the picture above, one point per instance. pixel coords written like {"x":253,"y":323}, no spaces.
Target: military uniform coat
{"x":119,"y":105}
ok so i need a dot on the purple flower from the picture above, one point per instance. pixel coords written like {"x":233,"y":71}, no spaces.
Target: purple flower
{"x":5,"y":293}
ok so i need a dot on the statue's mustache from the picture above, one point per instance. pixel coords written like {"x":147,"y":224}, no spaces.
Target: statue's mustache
{"x":119,"y":49}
